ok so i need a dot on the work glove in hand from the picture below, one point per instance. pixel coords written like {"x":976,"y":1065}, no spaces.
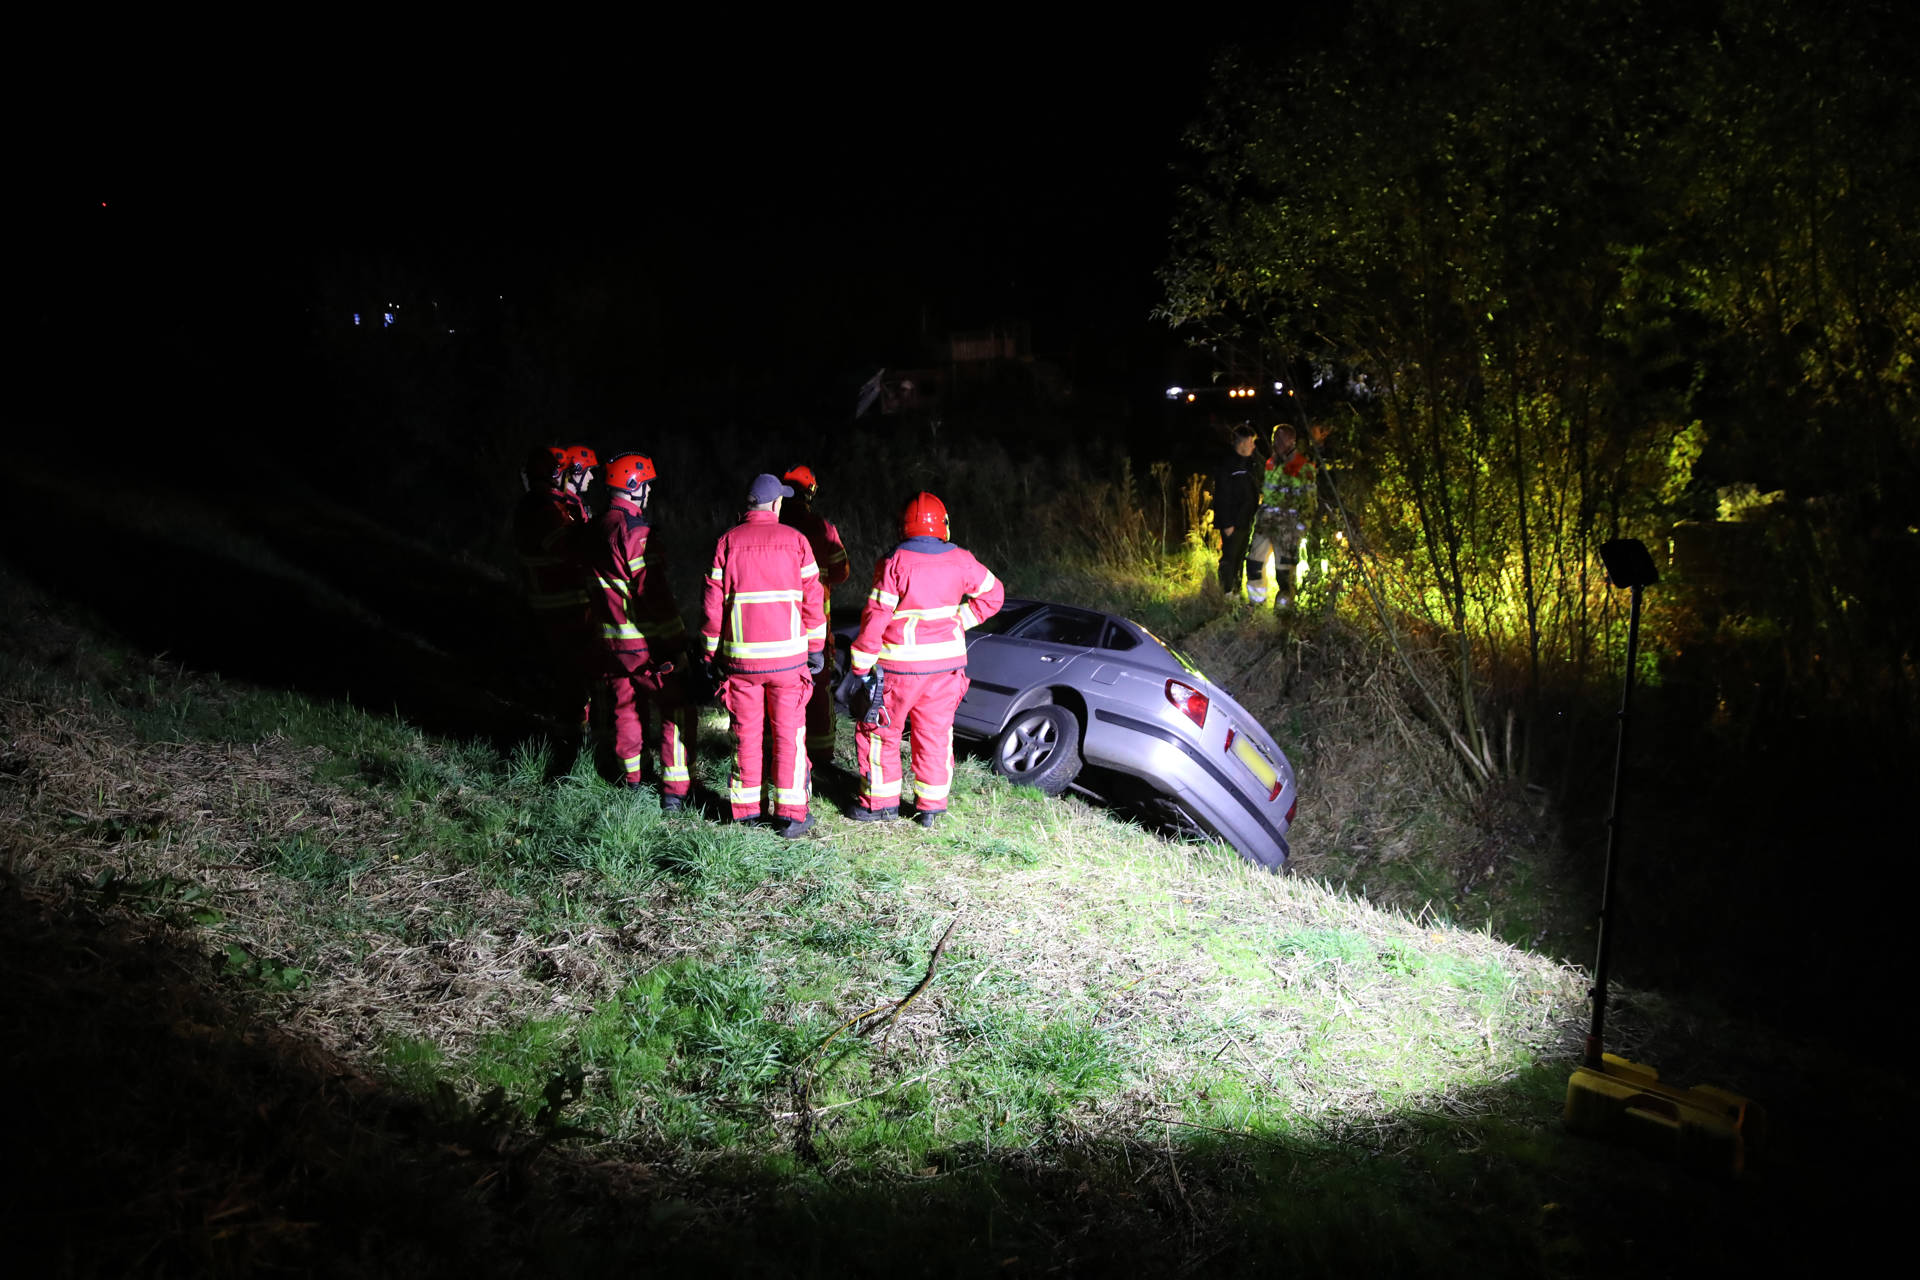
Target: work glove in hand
{"x":816,"y":662}
{"x":876,"y":708}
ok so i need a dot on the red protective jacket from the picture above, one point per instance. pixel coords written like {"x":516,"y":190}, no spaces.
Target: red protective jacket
{"x":762,"y":607}
{"x":828,"y":551}
{"x":633,"y":605}
{"x":925,"y":596}
{"x":551,"y":543}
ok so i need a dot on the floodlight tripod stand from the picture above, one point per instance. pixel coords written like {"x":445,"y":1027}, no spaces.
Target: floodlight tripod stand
{"x":1608,"y":1096}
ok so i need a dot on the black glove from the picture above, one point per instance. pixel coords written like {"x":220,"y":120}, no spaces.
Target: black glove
{"x":852,"y":686}
{"x":706,"y":683}
{"x":816,"y":662}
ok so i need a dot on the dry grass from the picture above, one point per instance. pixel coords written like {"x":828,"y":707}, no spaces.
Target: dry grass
{"x":1117,"y":922}
{"x":1232,"y":1017}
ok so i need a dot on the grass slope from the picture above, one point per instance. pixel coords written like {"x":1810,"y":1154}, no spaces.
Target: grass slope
{"x":305,"y":988}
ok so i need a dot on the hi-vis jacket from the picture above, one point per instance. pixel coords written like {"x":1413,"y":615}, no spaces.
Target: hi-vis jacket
{"x":828,"y":551}
{"x":925,"y":596}
{"x":634,"y":605}
{"x":1287,"y":494}
{"x":762,"y":600}
{"x":550,"y":540}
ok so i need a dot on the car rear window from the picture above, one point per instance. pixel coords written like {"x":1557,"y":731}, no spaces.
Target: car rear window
{"x":1118,"y":637}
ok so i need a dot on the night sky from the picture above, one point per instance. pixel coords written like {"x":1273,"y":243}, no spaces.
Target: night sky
{"x":761,"y":211}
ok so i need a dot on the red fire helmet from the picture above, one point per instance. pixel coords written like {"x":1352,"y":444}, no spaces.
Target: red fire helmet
{"x":542,"y":466}
{"x":801,"y":478}
{"x":925,"y":515}
{"x":628,"y":471}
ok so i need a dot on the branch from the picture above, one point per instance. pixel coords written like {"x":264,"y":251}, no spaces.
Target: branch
{"x":892,"y":1011}
{"x":899,"y":1008}
{"x":1373,"y":593}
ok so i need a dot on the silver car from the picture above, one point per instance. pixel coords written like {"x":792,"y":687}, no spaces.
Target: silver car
{"x":1056,"y":687}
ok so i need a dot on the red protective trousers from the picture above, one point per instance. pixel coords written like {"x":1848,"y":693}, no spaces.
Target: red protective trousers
{"x":633,"y":694}
{"x":821,"y":713}
{"x":767,"y":715}
{"x":924,"y":706}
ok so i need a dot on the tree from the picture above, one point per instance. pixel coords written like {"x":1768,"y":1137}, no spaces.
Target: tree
{"x":1444,"y":224}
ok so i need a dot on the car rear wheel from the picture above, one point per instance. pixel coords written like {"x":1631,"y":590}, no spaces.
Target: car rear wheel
{"x":1040,"y":749}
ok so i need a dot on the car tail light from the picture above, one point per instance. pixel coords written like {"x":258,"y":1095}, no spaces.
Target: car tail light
{"x":1293,"y":809}
{"x":1189,"y":700}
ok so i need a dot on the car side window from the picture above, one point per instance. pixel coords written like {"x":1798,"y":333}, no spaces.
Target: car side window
{"x":1118,"y":637}
{"x":1065,"y":626}
{"x":1009,"y":617}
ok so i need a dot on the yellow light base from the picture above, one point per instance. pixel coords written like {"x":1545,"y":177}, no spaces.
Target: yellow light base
{"x":1704,"y":1127}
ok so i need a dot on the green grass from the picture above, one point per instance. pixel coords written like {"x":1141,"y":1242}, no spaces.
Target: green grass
{"x":1132,"y":1049}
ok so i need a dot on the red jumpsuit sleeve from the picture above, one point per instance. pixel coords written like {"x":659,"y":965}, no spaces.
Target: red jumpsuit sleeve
{"x":982,"y":598}
{"x":714,"y":600}
{"x":834,"y":566}
{"x":813,"y":614}
{"x":876,"y":615}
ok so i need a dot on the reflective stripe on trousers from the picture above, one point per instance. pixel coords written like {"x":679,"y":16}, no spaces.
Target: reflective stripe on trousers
{"x":821,"y":714}
{"x":767,"y":715}
{"x":923,"y":706}
{"x":632,"y":695}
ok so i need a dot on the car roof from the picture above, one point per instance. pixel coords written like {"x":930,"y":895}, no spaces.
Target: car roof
{"x":1165,"y":655}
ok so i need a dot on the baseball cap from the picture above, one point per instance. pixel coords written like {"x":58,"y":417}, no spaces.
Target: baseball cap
{"x":765,"y":488}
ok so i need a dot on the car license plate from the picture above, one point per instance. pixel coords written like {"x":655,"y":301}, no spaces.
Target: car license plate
{"x":1248,"y":753}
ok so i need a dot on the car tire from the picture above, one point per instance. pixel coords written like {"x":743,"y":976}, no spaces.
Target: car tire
{"x":1040,"y":748}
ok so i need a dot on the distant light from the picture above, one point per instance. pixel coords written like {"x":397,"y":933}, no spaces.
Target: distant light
{"x":1278,"y":387}
{"x":356,"y":317}
{"x":1189,"y":397}
{"x":1173,"y":393}
{"x":389,"y":323}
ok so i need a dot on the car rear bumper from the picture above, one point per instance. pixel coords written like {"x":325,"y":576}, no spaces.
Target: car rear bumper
{"x":1169,"y":760}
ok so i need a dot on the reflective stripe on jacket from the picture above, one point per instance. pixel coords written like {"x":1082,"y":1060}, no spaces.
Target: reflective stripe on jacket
{"x":1287,"y":494}
{"x":633,"y":604}
{"x":925,"y":596}
{"x":550,"y":542}
{"x":762,"y":607}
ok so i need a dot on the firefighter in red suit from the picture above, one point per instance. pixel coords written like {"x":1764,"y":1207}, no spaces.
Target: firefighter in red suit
{"x":549,"y":534}
{"x":831,"y":555}
{"x":576,"y":469}
{"x":642,"y":633}
{"x":765,"y":631}
{"x":925,"y":596}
